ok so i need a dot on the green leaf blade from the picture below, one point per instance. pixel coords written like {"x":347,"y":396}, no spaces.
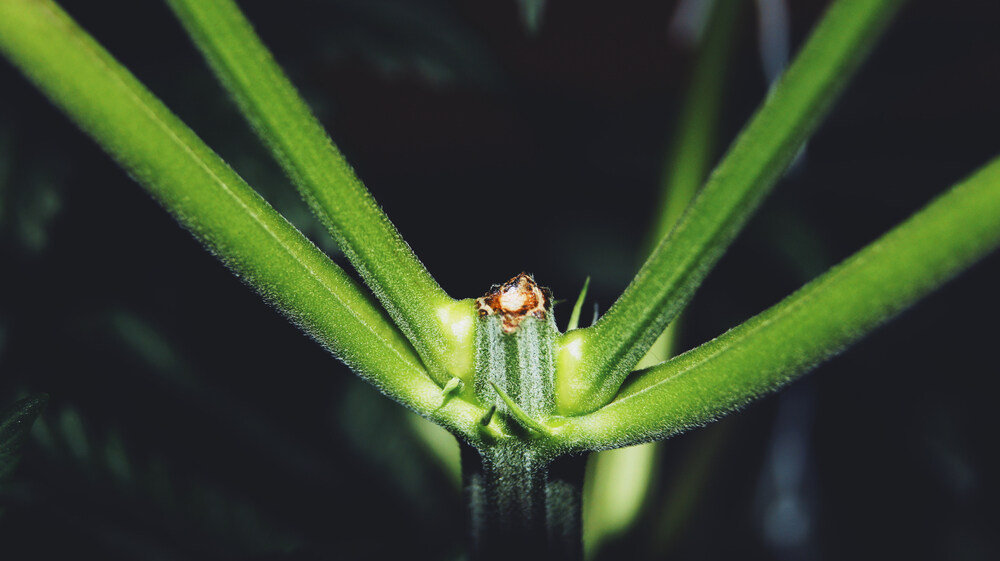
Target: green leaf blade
{"x":810,"y":326}
{"x":217,"y":206}
{"x":284,"y":122}
{"x":598,"y":359}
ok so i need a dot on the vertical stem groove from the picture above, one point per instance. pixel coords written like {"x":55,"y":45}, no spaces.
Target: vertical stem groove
{"x":522,"y":503}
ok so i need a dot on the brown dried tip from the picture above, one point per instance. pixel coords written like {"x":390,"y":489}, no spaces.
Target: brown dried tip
{"x":515,"y":300}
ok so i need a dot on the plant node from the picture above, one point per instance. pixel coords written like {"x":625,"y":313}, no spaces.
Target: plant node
{"x":514,"y":300}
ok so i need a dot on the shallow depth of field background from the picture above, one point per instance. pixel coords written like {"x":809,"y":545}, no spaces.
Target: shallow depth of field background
{"x":189,"y":421}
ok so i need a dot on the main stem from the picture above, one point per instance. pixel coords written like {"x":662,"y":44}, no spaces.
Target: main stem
{"x":523,"y":505}
{"x":524,"y":502}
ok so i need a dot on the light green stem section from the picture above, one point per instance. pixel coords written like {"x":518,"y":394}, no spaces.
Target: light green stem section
{"x":614,"y":495}
{"x":593,"y":362}
{"x":520,"y":503}
{"x":326,"y":181}
{"x":514,"y":370}
{"x":217,"y":206}
{"x":811,"y":325}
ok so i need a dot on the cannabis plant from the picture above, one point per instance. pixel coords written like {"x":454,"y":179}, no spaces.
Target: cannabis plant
{"x":525,"y":399}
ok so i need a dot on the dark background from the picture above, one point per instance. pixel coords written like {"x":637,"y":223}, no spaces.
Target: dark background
{"x":188,"y":420}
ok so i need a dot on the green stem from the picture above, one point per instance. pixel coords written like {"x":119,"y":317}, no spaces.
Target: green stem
{"x":516,"y":367}
{"x":691,"y":151}
{"x":593,"y":362}
{"x":618,"y":480}
{"x":813,"y":324}
{"x":693,"y":147}
{"x":522,"y":504}
{"x":217,"y":206}
{"x":284,"y":122}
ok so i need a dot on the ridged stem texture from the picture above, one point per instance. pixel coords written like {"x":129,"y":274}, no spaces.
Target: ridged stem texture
{"x":522,"y":500}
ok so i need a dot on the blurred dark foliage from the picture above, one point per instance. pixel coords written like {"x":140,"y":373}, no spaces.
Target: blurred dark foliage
{"x":187,"y":420}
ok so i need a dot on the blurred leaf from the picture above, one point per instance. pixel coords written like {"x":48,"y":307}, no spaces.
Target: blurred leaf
{"x":5,"y":159}
{"x":693,"y":148}
{"x":688,"y":487}
{"x":441,"y":444}
{"x":31,"y":195}
{"x":146,"y":493}
{"x":531,"y":12}
{"x":40,"y":202}
{"x":75,"y":435}
{"x":385,"y":437}
{"x":15,"y":423}
{"x":402,"y":38}
{"x":613,"y":500}
{"x":188,"y":384}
